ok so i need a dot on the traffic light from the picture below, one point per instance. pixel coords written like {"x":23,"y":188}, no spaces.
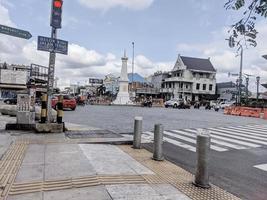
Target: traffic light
{"x":56,"y":13}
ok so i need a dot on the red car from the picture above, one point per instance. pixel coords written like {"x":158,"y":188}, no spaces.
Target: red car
{"x":68,"y":102}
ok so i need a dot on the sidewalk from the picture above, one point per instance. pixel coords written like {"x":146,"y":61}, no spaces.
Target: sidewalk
{"x":55,"y":167}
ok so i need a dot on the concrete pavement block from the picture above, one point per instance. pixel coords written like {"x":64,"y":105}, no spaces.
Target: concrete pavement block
{"x":132,"y":191}
{"x":32,"y":196}
{"x":91,"y":193}
{"x":108,"y":159}
{"x":48,"y":128}
{"x":30,"y":173}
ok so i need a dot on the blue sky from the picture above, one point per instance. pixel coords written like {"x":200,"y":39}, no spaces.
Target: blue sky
{"x":99,"y":30}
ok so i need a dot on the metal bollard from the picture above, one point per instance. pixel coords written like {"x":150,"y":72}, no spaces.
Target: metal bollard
{"x":202,"y":168}
{"x":60,"y":109}
{"x":158,"y":141}
{"x":44,"y":108}
{"x":137,"y":132}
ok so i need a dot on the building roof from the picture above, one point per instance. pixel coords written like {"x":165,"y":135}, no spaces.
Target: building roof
{"x":136,"y":78}
{"x":199,"y":64}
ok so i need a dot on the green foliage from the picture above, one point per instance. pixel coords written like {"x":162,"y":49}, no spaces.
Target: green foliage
{"x":245,"y":29}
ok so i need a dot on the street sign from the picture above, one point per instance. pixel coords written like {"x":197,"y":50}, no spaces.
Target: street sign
{"x":15,"y":32}
{"x":52,"y":45}
{"x":265,"y":56}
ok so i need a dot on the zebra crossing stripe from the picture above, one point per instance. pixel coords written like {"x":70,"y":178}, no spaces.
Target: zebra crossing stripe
{"x":262,"y":167}
{"x":258,"y":130}
{"x":222,"y":143}
{"x":224,"y":133}
{"x":216,"y":148}
{"x":246,"y":132}
{"x":175,"y":142}
{"x":228,"y":139}
{"x":234,"y":132}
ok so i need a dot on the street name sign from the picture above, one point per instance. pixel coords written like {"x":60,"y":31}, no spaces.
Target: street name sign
{"x":52,"y":45}
{"x":15,"y":32}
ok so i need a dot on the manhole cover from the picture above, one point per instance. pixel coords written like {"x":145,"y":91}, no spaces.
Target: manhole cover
{"x":92,"y":134}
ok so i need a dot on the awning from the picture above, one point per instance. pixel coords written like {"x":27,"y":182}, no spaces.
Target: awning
{"x":6,"y":86}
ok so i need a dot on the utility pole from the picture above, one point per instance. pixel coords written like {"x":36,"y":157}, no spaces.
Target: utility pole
{"x":258,"y":84}
{"x":240,"y":76}
{"x":133,"y":69}
{"x":247,"y":83}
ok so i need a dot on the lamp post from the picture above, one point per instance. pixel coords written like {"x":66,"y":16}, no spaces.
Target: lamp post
{"x":258,"y":84}
{"x":133,"y":68}
{"x":247,"y":83}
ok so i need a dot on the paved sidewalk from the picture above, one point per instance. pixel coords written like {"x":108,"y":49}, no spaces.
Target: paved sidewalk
{"x":56,"y":167}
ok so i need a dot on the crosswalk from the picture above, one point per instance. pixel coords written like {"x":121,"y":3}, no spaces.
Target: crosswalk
{"x":222,"y":138}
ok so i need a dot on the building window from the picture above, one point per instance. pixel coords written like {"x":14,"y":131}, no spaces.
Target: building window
{"x":204,"y":86}
{"x":210,"y":87}
{"x":198,"y":86}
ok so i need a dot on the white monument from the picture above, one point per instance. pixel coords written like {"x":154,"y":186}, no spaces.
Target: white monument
{"x":123,"y":97}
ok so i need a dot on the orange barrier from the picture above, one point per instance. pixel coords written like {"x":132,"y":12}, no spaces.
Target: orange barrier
{"x":246,"y":112}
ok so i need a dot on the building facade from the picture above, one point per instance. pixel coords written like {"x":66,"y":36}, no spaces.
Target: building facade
{"x":191,"y":79}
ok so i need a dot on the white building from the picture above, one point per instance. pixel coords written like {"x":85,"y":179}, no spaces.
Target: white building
{"x":191,"y":79}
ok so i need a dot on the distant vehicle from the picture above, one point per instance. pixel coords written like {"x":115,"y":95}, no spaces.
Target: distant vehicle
{"x":11,"y":101}
{"x":223,"y":105}
{"x":172,"y":103}
{"x":147,"y":103}
{"x":68,"y":102}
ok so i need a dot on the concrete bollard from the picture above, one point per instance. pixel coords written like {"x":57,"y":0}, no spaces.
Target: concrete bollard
{"x":60,"y":109}
{"x":44,"y":109}
{"x":138,"y":123}
{"x":158,"y":141}
{"x":202,"y":168}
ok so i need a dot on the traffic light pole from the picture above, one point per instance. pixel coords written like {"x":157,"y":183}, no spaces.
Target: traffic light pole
{"x":51,"y":74}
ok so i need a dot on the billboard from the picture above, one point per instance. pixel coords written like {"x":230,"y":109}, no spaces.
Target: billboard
{"x":13,"y":77}
{"x":95,"y":81}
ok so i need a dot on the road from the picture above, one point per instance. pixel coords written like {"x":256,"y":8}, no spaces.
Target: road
{"x":120,"y":119}
{"x":238,"y":159}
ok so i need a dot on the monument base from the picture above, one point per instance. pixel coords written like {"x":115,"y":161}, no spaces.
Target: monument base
{"x":123,"y":99}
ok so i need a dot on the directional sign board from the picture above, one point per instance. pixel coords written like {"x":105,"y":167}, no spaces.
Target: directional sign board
{"x":265,"y":56}
{"x":52,"y":45}
{"x":15,"y":32}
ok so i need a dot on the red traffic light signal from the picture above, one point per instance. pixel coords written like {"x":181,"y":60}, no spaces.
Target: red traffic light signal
{"x":57,"y":4}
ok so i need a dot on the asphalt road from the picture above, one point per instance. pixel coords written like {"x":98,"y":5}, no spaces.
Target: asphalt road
{"x":121,"y":119}
{"x":233,"y":170}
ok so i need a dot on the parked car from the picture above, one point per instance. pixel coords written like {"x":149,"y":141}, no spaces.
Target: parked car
{"x":12,"y":101}
{"x":172,"y":103}
{"x":226,"y":104}
{"x":68,"y":102}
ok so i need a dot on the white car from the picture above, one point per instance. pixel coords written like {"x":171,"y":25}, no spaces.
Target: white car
{"x":226,"y":104}
{"x":172,"y":103}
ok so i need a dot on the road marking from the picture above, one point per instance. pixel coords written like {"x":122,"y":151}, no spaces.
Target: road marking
{"x":248,"y":131}
{"x":229,"y":139}
{"x":213,"y":140}
{"x":216,"y":148}
{"x":175,"y":142}
{"x":234,"y":132}
{"x":262,"y":167}
{"x":223,"y":133}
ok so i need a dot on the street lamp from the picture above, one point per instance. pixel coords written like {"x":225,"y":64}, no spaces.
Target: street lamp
{"x":258,"y":84}
{"x":133,"y":68}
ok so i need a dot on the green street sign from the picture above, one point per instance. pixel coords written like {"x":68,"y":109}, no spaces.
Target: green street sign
{"x":15,"y":32}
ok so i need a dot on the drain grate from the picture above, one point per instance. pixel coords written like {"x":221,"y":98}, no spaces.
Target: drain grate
{"x":92,"y":134}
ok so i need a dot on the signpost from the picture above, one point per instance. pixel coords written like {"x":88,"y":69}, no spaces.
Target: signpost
{"x":52,"y":45}
{"x":15,"y":32}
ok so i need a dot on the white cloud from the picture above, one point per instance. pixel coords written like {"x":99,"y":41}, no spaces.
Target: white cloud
{"x":108,"y":4}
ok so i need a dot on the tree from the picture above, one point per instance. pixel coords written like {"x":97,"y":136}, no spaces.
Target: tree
{"x":244,"y":30}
